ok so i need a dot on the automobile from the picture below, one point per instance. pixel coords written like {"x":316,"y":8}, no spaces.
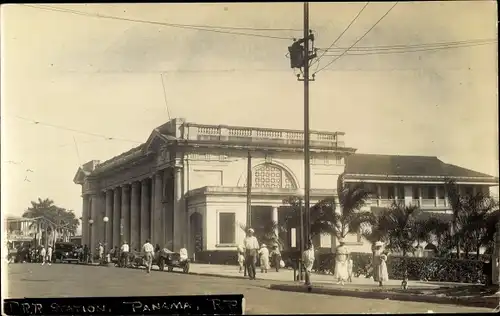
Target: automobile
{"x":65,"y":252}
{"x":170,"y":260}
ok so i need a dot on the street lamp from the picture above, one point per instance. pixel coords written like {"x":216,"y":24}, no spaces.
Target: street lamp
{"x":105,"y":220}
{"x":91,"y":221}
{"x":300,"y":194}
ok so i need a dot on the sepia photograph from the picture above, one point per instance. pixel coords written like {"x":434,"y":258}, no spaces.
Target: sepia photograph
{"x":250,"y":158}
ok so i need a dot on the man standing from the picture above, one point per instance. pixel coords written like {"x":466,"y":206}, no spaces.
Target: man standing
{"x":251,"y":249}
{"x":101,"y":253}
{"x":149,"y":254}
{"x":49,"y":255}
{"x":124,"y":254}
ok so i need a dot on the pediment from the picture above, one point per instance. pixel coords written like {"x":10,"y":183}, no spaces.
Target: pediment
{"x":80,"y":176}
{"x":156,"y":142}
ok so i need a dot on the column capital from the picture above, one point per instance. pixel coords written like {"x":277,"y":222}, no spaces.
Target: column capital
{"x":136,"y":184}
{"x":125,"y":186}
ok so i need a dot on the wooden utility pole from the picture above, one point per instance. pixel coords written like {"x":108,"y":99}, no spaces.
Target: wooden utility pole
{"x":307,"y":170}
{"x":249,"y":190}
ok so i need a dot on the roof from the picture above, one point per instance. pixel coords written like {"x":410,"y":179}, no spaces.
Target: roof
{"x":395,"y":165}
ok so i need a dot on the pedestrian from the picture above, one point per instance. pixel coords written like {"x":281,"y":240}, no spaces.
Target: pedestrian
{"x":101,"y":253}
{"x":308,"y":263}
{"x":149,"y":254}
{"x":86,"y":254}
{"x":377,"y":251}
{"x":43,"y":253}
{"x":49,"y":255}
{"x":251,"y":248}
{"x":341,"y":258}
{"x":350,"y":264}
{"x":276,"y":257}
{"x":183,"y":253}
{"x":241,"y":258}
{"x":382,"y":270}
{"x":264,"y":258}
{"x":124,"y":250}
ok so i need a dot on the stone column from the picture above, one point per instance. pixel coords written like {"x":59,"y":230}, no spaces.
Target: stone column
{"x":125,"y":219}
{"x":157,"y":210}
{"x":116,"y":217}
{"x":275,"y":219}
{"x":446,"y":201}
{"x":145,"y":209}
{"x":135,"y":216}
{"x":179,"y":222}
{"x":109,"y":224}
{"x":85,"y":220}
{"x":379,"y":195}
{"x":420,"y":196}
{"x":94,"y":214}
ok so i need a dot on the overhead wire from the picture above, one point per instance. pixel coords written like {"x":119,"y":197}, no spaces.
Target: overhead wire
{"x":341,"y":34}
{"x":358,"y":40}
{"x":165,"y":95}
{"x":175,"y":25}
{"x":385,"y":52}
{"x":75,"y":130}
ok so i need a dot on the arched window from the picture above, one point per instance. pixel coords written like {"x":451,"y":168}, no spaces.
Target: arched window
{"x":270,"y":176}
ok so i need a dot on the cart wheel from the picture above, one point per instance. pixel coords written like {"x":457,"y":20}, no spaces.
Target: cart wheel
{"x":170,"y":269}
{"x":186,"y":268}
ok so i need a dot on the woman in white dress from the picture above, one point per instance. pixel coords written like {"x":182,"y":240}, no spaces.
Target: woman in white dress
{"x":383,"y":276}
{"x":341,"y":263}
{"x":264,"y":258}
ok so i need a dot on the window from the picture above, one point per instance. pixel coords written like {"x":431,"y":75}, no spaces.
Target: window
{"x":401,"y":192}
{"x":338,"y":160}
{"x":431,"y":192}
{"x":469,"y":190}
{"x":416,"y":193}
{"x":391,"y":191}
{"x":441,"y":194}
{"x":227,"y":228}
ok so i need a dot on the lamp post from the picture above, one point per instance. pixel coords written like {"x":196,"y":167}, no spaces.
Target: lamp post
{"x":105,"y":220}
{"x":91,"y":221}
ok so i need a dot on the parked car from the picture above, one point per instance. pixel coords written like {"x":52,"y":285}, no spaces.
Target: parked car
{"x":170,"y":260}
{"x":65,"y":252}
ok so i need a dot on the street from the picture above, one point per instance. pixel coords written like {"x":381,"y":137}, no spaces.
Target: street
{"x":67,"y":280}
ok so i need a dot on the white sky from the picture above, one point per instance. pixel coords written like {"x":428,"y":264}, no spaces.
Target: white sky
{"x":103,"y":76}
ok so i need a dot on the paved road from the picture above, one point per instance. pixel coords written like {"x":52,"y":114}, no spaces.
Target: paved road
{"x":65,"y":280}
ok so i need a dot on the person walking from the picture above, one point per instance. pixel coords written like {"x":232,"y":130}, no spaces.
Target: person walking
{"x":49,"y":255}
{"x":101,"y":253}
{"x":308,"y":263}
{"x":43,"y":254}
{"x":241,"y":258}
{"x":341,"y":263}
{"x":383,"y":276}
{"x":264,"y":258}
{"x":149,"y":254}
{"x":124,"y":251}
{"x":251,"y":249}
{"x":377,"y":252}
{"x":276,"y":257}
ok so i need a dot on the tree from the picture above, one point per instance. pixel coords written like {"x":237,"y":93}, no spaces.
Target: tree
{"x":457,"y":207}
{"x":441,"y":231}
{"x":399,"y":221}
{"x":325,"y":218}
{"x":51,"y":218}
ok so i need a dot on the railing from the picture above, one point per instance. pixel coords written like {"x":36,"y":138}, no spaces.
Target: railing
{"x":263,"y":135}
{"x":423,"y":203}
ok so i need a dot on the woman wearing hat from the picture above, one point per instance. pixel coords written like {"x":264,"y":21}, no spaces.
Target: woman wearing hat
{"x":341,"y":263}
{"x":383,"y":276}
{"x":377,"y":252}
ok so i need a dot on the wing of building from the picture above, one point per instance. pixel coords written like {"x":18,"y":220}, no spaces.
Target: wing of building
{"x":186,"y":185}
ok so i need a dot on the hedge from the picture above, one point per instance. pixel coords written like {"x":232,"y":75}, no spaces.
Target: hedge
{"x":418,"y":268}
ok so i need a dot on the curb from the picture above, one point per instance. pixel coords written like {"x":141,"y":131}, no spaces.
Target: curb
{"x":487,"y":302}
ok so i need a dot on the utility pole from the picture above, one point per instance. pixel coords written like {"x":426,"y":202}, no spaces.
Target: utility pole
{"x":301,"y":53}
{"x":249,"y":190}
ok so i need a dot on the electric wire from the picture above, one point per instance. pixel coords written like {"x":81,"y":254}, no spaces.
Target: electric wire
{"x":341,"y":34}
{"x":165,"y":95}
{"x":358,"y":40}
{"x":175,"y":25}
{"x":75,"y":130}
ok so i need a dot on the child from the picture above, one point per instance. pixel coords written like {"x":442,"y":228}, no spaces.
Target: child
{"x":349,"y":269}
{"x":308,"y":261}
{"x":241,"y":258}
{"x":382,"y":270}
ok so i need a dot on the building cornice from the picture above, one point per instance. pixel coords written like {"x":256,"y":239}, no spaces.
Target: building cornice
{"x":242,"y":191}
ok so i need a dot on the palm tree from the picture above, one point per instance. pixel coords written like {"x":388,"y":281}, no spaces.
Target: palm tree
{"x":441,"y":231}
{"x":457,"y":207}
{"x":399,"y":221}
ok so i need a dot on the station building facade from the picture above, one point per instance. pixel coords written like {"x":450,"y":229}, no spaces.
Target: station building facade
{"x":186,"y":185}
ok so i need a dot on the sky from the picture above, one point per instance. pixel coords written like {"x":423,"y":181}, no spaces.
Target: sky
{"x":104,"y":77}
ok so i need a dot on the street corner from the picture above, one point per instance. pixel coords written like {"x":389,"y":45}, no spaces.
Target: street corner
{"x":381,"y":294}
